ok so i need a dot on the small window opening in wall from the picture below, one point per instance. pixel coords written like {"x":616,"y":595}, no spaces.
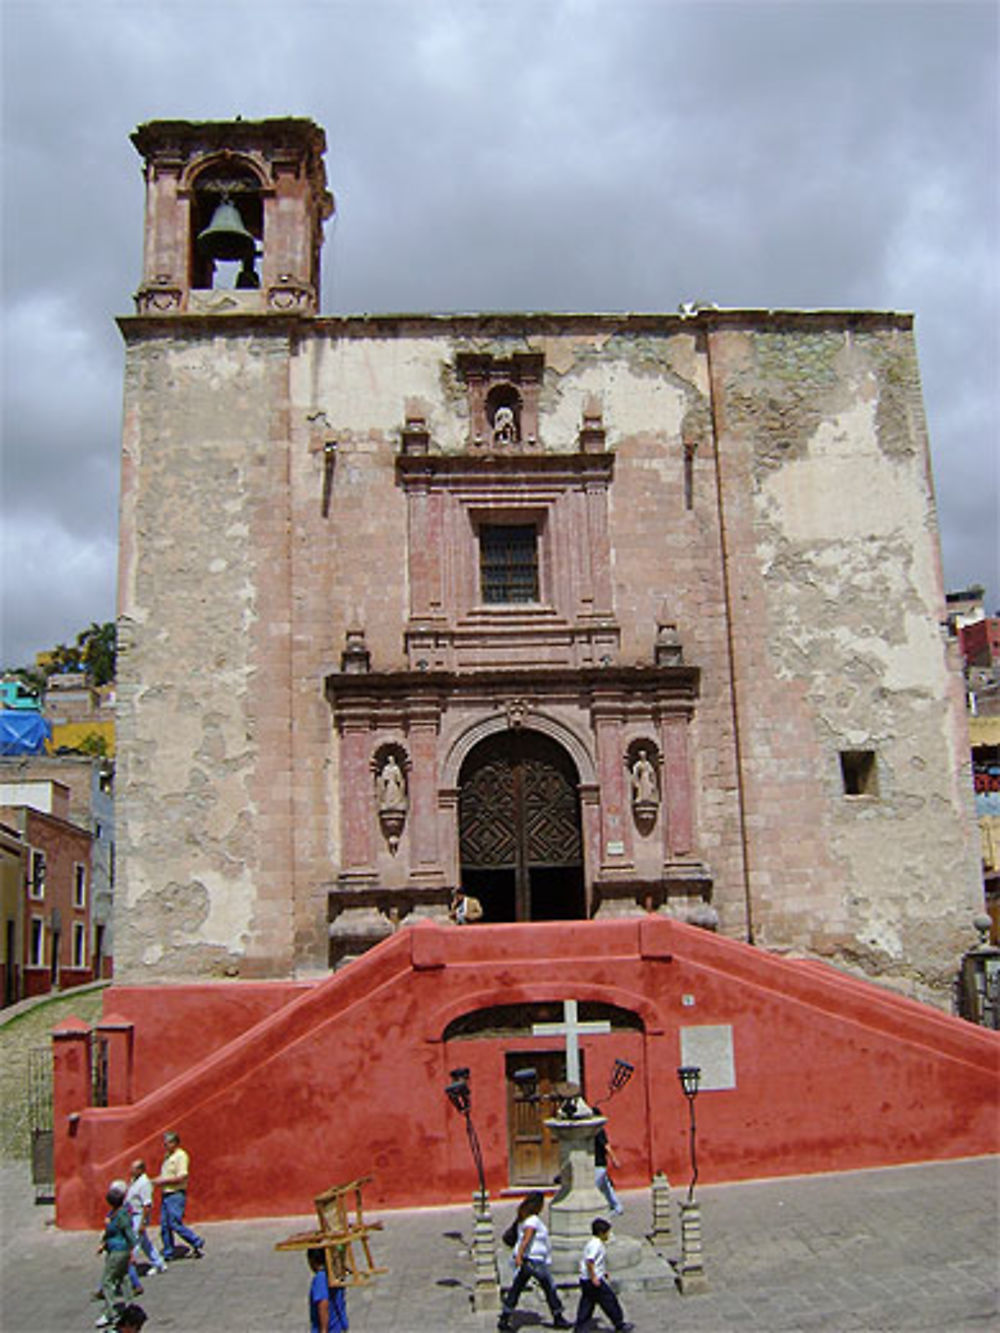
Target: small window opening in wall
{"x":79,"y":945}
{"x":79,"y":885}
{"x":859,"y":772}
{"x":689,"y":476}
{"x":508,"y":556}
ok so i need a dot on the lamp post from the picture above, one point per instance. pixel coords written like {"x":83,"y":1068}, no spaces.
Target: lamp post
{"x":459,"y":1094}
{"x":690,"y":1078}
{"x":487,"y":1289}
{"x":691,"y":1271}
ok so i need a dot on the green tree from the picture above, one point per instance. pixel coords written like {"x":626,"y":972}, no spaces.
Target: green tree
{"x":96,"y":647}
{"x":93,"y":652}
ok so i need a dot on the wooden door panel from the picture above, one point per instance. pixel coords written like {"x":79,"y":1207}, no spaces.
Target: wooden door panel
{"x":533,"y":1151}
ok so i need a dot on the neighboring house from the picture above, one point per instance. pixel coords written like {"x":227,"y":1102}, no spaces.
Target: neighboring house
{"x":978,"y":637}
{"x":55,"y":947}
{"x":81,"y":714}
{"x":90,"y":784}
{"x":984,"y":733}
{"x":13,"y":859}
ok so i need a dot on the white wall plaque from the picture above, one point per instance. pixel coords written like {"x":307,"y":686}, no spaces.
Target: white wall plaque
{"x":711,"y":1049}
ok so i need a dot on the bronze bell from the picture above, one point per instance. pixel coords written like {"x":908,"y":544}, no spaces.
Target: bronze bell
{"x":225,"y":237}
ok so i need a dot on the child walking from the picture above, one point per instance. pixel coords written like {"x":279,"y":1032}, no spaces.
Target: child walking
{"x":594,"y":1286}
{"x":327,"y":1305}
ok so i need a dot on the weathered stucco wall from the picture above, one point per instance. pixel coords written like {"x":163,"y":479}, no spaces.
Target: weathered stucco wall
{"x":837,"y":613}
{"x":203,"y":790}
{"x":796,"y":553}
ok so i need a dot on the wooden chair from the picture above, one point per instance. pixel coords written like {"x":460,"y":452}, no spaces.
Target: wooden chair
{"x":337,"y":1234}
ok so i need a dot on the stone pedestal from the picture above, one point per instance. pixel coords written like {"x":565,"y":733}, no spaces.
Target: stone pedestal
{"x":486,"y":1295}
{"x":662,"y":1235}
{"x":690,"y":1268}
{"x":579,"y":1200}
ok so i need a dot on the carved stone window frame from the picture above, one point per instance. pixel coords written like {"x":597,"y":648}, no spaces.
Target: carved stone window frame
{"x":565,"y":496}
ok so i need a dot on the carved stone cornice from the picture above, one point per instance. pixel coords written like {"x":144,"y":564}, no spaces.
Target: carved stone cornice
{"x":422,"y":696}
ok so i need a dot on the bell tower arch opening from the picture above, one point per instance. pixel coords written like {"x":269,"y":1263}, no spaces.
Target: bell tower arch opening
{"x":228,"y":227}
{"x":520,"y":838}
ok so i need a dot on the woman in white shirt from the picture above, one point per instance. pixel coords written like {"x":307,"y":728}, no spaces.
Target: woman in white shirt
{"x":532,"y":1255}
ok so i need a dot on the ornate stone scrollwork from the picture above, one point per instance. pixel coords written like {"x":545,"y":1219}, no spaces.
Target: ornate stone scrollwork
{"x":290,"y":293}
{"x":155,"y":300}
{"x":517,"y":712}
{"x":391,"y":796}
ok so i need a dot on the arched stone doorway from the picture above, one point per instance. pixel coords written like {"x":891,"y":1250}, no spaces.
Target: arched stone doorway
{"x":520,"y":839}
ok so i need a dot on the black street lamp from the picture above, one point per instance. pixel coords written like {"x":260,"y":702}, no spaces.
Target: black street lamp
{"x":460,"y":1096}
{"x":690,"y":1078}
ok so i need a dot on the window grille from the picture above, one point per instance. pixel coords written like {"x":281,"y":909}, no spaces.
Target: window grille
{"x":509,"y":563}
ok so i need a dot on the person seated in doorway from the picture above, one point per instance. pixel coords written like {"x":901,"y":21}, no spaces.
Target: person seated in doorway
{"x":464,"y":908}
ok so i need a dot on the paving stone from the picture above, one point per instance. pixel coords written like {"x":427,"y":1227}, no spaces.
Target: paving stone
{"x":835,"y":1255}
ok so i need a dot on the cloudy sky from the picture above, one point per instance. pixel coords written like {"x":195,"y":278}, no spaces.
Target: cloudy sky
{"x":508,"y":154}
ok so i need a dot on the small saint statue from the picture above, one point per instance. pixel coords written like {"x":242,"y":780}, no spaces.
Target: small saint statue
{"x":391,"y":786}
{"x":644,"y":789}
{"x":504,"y":426}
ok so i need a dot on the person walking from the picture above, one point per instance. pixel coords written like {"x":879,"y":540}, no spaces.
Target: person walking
{"x":594,"y":1286}
{"x":116,"y":1246}
{"x":532,"y":1256}
{"x":139,"y":1202}
{"x":603,"y":1154}
{"x":173,"y":1181}
{"x":327,"y":1305}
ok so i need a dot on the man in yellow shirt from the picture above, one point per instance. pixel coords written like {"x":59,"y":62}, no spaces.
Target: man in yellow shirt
{"x":173,"y":1182}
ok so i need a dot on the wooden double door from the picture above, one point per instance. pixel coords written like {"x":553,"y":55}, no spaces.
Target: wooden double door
{"x":520,"y":839}
{"x":532,"y":1151}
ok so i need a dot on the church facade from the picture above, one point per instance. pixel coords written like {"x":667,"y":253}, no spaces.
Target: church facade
{"x":599,"y":616}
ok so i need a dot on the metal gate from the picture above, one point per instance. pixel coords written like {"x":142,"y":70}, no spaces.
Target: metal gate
{"x":40,"y":1123}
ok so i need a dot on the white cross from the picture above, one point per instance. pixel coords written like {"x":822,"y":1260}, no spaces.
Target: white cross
{"x":570,"y":1028}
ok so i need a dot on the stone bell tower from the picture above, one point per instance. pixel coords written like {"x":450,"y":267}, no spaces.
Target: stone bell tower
{"x":230,"y":279}
{"x":234,"y":215}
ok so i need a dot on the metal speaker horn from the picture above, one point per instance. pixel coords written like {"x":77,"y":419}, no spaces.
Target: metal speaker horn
{"x":226,"y":237}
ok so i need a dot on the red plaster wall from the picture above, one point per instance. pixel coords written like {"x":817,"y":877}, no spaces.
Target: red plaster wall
{"x":176,"y":1028}
{"x":347,"y":1077}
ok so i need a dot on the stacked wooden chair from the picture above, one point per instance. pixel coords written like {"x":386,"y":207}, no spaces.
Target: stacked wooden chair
{"x":341,"y":1227}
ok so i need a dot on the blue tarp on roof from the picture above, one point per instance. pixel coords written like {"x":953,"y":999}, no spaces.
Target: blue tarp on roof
{"x":23,"y":733}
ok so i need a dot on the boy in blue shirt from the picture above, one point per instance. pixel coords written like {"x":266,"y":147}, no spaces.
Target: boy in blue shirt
{"x":327,"y":1305}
